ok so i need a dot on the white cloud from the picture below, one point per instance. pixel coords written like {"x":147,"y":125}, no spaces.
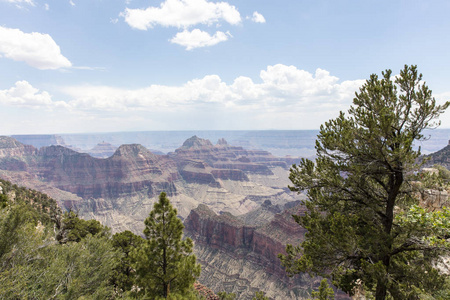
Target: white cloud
{"x":182,"y":14}
{"x":441,"y":98}
{"x":258,"y":18}
{"x":284,"y":97}
{"x":19,"y":3}
{"x":36,"y":49}
{"x":198,"y":38}
{"x":283,"y":89}
{"x":46,"y":6}
{"x":89,"y":68}
{"x":24,"y":94}
{"x":72,"y":3}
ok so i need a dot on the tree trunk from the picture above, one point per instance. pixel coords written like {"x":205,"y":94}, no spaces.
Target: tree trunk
{"x":165,"y":287}
{"x":381,"y":291}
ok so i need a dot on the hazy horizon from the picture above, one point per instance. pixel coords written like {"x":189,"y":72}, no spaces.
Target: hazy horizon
{"x":278,"y":142}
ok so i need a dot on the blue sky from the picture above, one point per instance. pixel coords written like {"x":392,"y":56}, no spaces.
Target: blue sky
{"x":71,"y":66}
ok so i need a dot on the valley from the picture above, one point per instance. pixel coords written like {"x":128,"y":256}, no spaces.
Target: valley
{"x":235,"y":202}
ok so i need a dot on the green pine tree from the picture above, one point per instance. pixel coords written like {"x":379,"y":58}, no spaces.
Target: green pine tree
{"x":124,"y":275}
{"x":325,"y":292}
{"x":165,"y":264}
{"x":260,"y":296}
{"x":364,"y":225}
{"x":226,"y":296}
{"x":33,"y":265}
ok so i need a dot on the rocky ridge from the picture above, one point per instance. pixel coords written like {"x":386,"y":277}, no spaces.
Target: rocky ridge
{"x":246,"y":254}
{"x":441,"y":157}
{"x":120,"y":190}
{"x":102,"y":150}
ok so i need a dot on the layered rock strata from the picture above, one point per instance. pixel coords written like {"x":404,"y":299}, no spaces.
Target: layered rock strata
{"x":246,"y":254}
{"x":120,"y":190}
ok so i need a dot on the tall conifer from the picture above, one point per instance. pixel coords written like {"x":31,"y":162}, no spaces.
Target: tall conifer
{"x":165,"y":263}
{"x":365,"y":228}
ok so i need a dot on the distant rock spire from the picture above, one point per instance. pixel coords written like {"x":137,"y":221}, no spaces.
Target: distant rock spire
{"x":222,"y":142}
{"x":195,"y":142}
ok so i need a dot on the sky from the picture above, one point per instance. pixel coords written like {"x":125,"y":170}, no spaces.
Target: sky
{"x":77,"y":66}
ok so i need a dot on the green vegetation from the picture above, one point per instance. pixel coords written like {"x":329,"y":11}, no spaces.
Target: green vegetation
{"x":439,"y":180}
{"x":260,"y":296}
{"x":74,"y":229}
{"x":124,"y":276}
{"x":33,"y":265}
{"x":365,"y":228}
{"x":325,"y":292}
{"x":165,"y":264}
{"x":3,"y":201}
{"x":226,"y":296}
{"x":45,"y":254}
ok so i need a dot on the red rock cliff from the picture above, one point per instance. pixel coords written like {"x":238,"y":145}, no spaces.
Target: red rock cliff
{"x":132,"y":168}
{"x":258,"y":244}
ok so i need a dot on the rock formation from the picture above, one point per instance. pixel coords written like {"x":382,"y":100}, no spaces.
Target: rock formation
{"x":434,"y":199}
{"x":441,"y":157}
{"x":102,"y":150}
{"x":12,"y":149}
{"x":120,"y":190}
{"x":40,"y":140}
{"x":242,"y":207}
{"x":246,"y":254}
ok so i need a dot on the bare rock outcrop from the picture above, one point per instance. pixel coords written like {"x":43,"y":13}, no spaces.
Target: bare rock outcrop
{"x":120,"y":190}
{"x":102,"y":150}
{"x":11,"y":148}
{"x":132,"y":168}
{"x":441,"y":157}
{"x":250,"y":251}
{"x":434,"y":199}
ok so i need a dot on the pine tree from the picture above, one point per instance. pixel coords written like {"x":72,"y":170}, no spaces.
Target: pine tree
{"x":260,"y":296}
{"x":124,"y":275}
{"x":364,"y":225}
{"x":164,"y":263}
{"x":325,"y":292}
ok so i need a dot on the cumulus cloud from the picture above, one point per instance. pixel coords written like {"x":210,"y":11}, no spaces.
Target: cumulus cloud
{"x":282,"y":88}
{"x":23,"y":94}
{"x":283,"y":97}
{"x":19,"y":3}
{"x":441,"y":98}
{"x":36,"y":49}
{"x":258,"y":18}
{"x":182,"y":14}
{"x":198,"y":38}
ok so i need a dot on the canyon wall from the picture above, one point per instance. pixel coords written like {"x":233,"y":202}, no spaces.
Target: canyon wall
{"x":120,"y":190}
{"x":246,"y":254}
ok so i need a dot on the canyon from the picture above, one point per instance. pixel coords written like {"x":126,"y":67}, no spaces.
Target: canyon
{"x":120,"y":190}
{"x":234,"y":202}
{"x":239,"y":253}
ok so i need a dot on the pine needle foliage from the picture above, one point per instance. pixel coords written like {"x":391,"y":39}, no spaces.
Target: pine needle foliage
{"x":362,"y":217}
{"x":165,"y":264}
